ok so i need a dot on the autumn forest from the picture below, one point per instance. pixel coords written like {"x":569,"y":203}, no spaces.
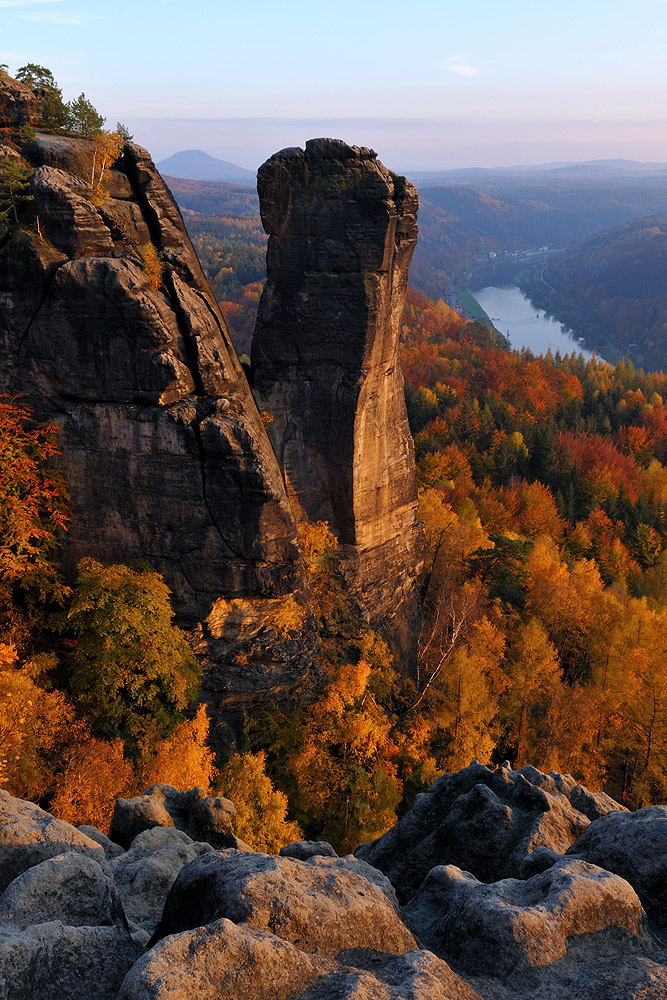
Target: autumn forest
{"x":543,"y":640}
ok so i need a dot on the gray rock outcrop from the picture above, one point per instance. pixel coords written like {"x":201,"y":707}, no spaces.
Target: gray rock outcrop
{"x":634,"y":846}
{"x":342,"y":229}
{"x":497,"y":929}
{"x":486,"y":822}
{"x":196,"y":814}
{"x":28,"y":835}
{"x":145,"y":873}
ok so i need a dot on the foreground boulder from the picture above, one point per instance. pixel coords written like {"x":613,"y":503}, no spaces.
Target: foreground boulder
{"x":52,"y":961}
{"x":317,"y":907}
{"x":71,"y":888}
{"x":634,"y":845}
{"x":29,"y":835}
{"x":484,"y":821}
{"x":63,"y":933}
{"x":226,"y":961}
{"x":495,"y":929}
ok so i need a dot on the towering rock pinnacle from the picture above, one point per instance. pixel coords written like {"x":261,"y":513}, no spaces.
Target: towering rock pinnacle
{"x":163,"y":450}
{"x":342,"y":230}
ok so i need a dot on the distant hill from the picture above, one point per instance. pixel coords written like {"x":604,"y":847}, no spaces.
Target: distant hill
{"x":613,"y":286}
{"x":196,"y":165}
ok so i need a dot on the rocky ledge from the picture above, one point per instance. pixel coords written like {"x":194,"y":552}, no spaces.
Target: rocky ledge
{"x":562,"y":898}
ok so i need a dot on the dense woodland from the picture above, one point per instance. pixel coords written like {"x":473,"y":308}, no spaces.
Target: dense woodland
{"x":543,"y":490}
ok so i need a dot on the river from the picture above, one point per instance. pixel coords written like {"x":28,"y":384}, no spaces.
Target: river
{"x":524,"y":324}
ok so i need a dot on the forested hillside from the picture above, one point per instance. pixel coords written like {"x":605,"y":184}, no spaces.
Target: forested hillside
{"x":613,"y":285}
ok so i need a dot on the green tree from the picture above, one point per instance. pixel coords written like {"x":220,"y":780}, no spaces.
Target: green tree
{"x":131,"y":670}
{"x":83,"y":119}
{"x":53,"y":110}
{"x":14,"y":188}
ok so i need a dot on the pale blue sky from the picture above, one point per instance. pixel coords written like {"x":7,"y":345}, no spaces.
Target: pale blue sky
{"x":429,"y":84}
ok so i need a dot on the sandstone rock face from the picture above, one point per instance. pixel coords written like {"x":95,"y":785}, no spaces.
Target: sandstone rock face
{"x":318,"y":907}
{"x":193,"y":812}
{"x":163,"y":449}
{"x":486,"y":822}
{"x":342,"y":230}
{"x":145,"y":874}
{"x":18,"y":105}
{"x":634,"y":845}
{"x":28,"y":835}
{"x":528,"y":922}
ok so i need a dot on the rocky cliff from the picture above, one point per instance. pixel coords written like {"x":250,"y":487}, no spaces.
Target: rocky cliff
{"x":163,"y":449}
{"x":342,"y":230}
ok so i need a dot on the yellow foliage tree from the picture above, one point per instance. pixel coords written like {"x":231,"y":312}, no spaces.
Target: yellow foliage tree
{"x":184,"y":759}
{"x":261,"y":810}
{"x":346,"y":772}
{"x":152,"y":264}
{"x":534,"y":673}
{"x":107,"y":147}
{"x":96,"y":774}
{"x":37,"y":730}
{"x":463,"y":706}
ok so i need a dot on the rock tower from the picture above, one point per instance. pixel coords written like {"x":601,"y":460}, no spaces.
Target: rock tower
{"x":342,"y":229}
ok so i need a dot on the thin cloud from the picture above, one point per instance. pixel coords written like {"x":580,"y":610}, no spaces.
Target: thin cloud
{"x":45,"y":15}
{"x":457,"y":58}
{"x":463,"y":70}
{"x":25,"y":3}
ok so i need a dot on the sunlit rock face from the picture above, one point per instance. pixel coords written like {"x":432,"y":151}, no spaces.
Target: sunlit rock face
{"x":342,"y":230}
{"x":162,"y":447}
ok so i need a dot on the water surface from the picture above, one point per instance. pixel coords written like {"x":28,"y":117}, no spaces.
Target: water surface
{"x":524,"y":324}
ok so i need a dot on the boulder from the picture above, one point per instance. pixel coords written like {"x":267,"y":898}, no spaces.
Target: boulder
{"x":512,"y":924}
{"x":146,"y":872}
{"x":192,"y":812}
{"x":317,"y":907}
{"x":111,"y":850}
{"x":220,"y":962}
{"x":634,"y":846}
{"x":28,"y":835}
{"x":226,"y":961}
{"x":53,"y":961}
{"x":487,"y":822}
{"x":71,"y":888}
{"x":357,"y":867}
{"x":302,"y":850}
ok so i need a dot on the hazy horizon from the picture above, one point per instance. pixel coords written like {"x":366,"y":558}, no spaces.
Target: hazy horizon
{"x":406,"y":145}
{"x":434,"y":85}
